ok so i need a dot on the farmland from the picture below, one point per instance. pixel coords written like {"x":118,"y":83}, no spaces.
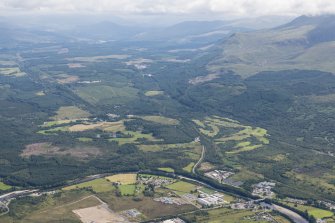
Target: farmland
{"x":153,"y":93}
{"x":122,"y":178}
{"x":4,"y":186}
{"x":14,"y":72}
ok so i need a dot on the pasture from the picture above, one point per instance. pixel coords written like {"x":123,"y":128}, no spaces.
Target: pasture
{"x":4,"y":186}
{"x":153,"y":93}
{"x":123,"y":179}
{"x":189,"y":167}
{"x":160,"y":119}
{"x":12,"y":71}
{"x":225,"y":215}
{"x":98,"y":185}
{"x":106,"y":95}
{"x":316,"y":212}
{"x":182,"y":186}
{"x":70,"y":113}
{"x":167,"y":169}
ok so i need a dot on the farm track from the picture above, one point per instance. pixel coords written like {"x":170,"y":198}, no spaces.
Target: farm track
{"x":200,"y":160}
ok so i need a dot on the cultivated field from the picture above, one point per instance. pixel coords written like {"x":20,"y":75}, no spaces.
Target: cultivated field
{"x":70,"y":113}
{"x":13,"y":71}
{"x":123,"y":179}
{"x":98,"y":185}
{"x":153,"y":93}
{"x":160,"y":119}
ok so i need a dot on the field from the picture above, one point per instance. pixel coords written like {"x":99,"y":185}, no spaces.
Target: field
{"x":106,"y":95}
{"x":4,"y":186}
{"x":316,"y":212}
{"x":70,"y":113}
{"x":189,"y":167}
{"x":127,"y":190}
{"x":160,"y":120}
{"x":224,"y":215}
{"x":167,"y":169}
{"x":123,"y":179}
{"x":84,"y":139}
{"x":182,"y":186}
{"x":153,"y":93}
{"x":14,"y":71}
{"x":98,"y":185}
{"x":162,"y":147}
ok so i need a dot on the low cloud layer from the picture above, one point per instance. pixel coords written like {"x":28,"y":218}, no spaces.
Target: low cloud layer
{"x":240,"y":8}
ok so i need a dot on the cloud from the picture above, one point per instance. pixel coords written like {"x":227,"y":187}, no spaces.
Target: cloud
{"x":228,"y":7}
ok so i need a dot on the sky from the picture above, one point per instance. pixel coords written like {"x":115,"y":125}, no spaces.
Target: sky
{"x":232,"y":8}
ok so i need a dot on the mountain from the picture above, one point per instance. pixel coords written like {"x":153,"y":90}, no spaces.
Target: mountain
{"x":12,"y":34}
{"x":304,"y":43}
{"x":190,"y":31}
{"x":184,"y":32}
{"x":107,"y":31}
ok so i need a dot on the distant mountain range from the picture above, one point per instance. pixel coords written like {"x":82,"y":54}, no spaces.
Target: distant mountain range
{"x":304,"y":43}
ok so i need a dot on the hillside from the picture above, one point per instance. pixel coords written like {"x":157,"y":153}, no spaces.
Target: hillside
{"x":305,"y":43}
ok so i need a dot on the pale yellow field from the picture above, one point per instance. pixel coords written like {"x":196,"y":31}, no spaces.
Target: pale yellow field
{"x":124,"y":179}
{"x":70,"y":112}
{"x":12,"y":71}
{"x":153,"y":93}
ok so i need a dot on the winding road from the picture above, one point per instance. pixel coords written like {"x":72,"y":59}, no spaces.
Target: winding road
{"x":200,"y":160}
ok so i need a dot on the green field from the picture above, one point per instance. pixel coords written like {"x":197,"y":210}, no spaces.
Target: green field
{"x":153,"y":93}
{"x":98,"y":185}
{"x":69,"y":113}
{"x":189,"y":167}
{"x":162,"y":147}
{"x":182,"y":186}
{"x":4,"y":186}
{"x":13,"y":71}
{"x":167,"y":169}
{"x":127,"y":190}
{"x":160,"y":119}
{"x":224,"y":215}
{"x":123,"y":179}
{"x":84,"y":139}
{"x":316,"y":212}
{"x":106,"y":95}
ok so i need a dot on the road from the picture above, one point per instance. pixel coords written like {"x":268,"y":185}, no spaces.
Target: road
{"x":5,"y":199}
{"x":200,"y":160}
{"x":291,"y":214}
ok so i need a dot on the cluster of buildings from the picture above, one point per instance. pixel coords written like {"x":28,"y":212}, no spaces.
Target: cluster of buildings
{"x":219,"y":175}
{"x":242,"y":205}
{"x":330,"y":206}
{"x":170,"y":200}
{"x":206,"y":200}
{"x":262,"y":216}
{"x":296,"y":201}
{"x":223,"y":176}
{"x":263,"y":189}
{"x":154,"y":180}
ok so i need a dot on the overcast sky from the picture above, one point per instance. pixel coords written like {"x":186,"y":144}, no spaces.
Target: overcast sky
{"x":239,"y":8}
